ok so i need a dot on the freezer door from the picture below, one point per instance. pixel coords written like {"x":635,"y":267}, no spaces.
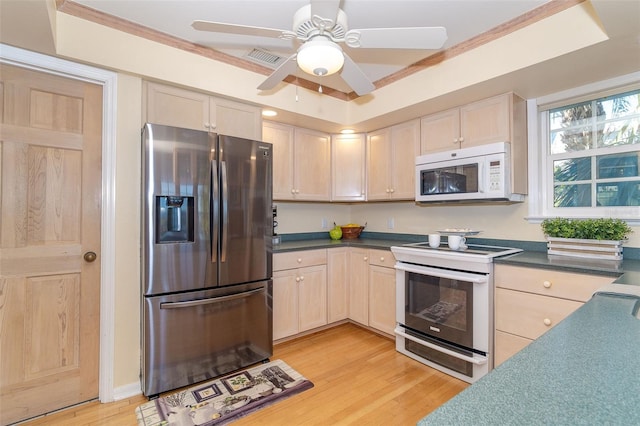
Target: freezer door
{"x":177,"y":209}
{"x":194,"y":336}
{"x":246,"y":234}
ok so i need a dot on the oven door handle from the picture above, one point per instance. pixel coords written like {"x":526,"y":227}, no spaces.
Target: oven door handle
{"x":425,"y":270}
{"x":476,"y":359}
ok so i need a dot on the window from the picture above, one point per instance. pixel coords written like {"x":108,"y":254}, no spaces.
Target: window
{"x":589,"y":155}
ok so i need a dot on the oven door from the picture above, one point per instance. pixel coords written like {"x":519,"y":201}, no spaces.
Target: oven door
{"x":444,"y":318}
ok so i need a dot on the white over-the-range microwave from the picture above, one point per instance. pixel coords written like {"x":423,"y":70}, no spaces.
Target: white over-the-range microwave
{"x":480,"y":173}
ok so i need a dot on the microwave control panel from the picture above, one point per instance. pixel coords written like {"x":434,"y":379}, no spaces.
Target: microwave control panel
{"x":495,"y":175}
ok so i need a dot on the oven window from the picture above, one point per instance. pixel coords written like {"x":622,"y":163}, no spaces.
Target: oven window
{"x":440,"y":307}
{"x":450,"y":180}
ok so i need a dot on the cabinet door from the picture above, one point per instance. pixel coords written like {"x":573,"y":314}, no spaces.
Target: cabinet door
{"x":382,"y":298}
{"x":281,"y":136}
{"x":440,"y":131}
{"x":405,"y":146}
{"x":285,"y":303}
{"x":379,"y":165}
{"x":359,"y":285}
{"x":236,"y":119}
{"x":337,"y":284}
{"x":348,"y":167}
{"x":312,"y":297}
{"x":507,"y":345}
{"x":486,"y":121}
{"x":171,"y":106}
{"x":312,"y":171}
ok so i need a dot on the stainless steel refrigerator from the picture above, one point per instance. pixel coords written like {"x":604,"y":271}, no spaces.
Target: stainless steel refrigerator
{"x":207,"y":232}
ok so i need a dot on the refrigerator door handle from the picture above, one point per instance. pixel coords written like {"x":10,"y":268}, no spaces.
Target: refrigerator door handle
{"x":213,"y":212}
{"x":191,"y":303}
{"x":225,"y":212}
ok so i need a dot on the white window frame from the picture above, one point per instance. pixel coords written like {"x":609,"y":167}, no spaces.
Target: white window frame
{"x":540,"y":171}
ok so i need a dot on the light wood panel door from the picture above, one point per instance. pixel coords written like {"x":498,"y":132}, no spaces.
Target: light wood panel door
{"x":312,"y":171}
{"x":382,"y":298}
{"x":359,"y":285}
{"x":391,"y":159}
{"x":440,"y":131}
{"x":281,"y":136}
{"x":348,"y":167}
{"x":50,"y":197}
{"x":337,"y":284}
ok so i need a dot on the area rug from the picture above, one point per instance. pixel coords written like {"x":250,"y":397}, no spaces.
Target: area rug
{"x":220,"y":401}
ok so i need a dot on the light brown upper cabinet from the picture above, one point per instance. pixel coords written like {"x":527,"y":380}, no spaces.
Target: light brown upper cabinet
{"x":173,"y":106}
{"x":301,"y":162}
{"x":500,"y":118}
{"x":391,"y":156}
{"x":348,"y":167}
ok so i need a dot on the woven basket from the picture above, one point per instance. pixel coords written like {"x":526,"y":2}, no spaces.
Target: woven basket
{"x":351,"y":232}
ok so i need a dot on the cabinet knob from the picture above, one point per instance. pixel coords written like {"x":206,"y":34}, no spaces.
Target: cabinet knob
{"x":461,"y":139}
{"x":387,"y":190}
{"x":299,"y":260}
{"x":392,"y":190}
{"x":365,"y":258}
{"x":546,"y":284}
{"x":381,"y":258}
{"x":90,"y":256}
{"x":302,"y":278}
{"x":455,"y":141}
{"x":297,"y":279}
{"x":207,"y":125}
{"x":547,"y":322}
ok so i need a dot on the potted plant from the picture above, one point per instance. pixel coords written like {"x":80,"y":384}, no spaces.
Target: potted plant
{"x":600,"y":238}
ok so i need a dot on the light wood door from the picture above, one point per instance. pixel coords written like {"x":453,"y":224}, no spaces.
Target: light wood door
{"x":486,"y":121}
{"x":359,"y":285}
{"x":50,"y":154}
{"x":285,"y":303}
{"x":379,"y":165}
{"x":348,"y":167}
{"x":440,"y":131}
{"x":281,"y":136}
{"x":337,"y":284}
{"x":172,"y":106}
{"x":312,"y":297}
{"x":312,"y":171}
{"x":405,"y":146}
{"x":382,"y":298}
{"x":235,"y":119}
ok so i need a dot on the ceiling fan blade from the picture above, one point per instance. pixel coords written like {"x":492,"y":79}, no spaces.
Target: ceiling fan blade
{"x":327,"y":9}
{"x":220,"y":27}
{"x":397,"y":38}
{"x":355,"y":78}
{"x":288,"y":67}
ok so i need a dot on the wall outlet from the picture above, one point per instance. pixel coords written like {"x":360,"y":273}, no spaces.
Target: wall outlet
{"x":325,"y":223}
{"x":391,"y":223}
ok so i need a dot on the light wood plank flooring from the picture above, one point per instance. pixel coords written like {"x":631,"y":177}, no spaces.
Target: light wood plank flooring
{"x":359,"y":379}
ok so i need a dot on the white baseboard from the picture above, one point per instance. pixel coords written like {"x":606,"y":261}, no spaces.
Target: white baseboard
{"x":126,"y":391}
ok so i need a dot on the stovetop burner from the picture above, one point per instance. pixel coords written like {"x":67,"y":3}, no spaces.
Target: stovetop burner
{"x":475,"y":258}
{"x":472,"y":249}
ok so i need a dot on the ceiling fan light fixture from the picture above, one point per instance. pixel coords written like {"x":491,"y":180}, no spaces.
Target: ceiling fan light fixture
{"x":320,"y":56}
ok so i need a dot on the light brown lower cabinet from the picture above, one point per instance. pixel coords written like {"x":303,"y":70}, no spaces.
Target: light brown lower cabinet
{"x":299,"y":293}
{"x":372,"y":294}
{"x":530,"y":301}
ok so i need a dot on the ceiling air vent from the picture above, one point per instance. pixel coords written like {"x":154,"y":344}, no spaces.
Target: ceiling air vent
{"x":265,"y":58}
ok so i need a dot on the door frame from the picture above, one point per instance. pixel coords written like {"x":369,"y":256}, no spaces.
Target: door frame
{"x":108,"y":80}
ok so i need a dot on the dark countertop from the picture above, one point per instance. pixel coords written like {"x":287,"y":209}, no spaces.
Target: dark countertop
{"x":582,"y":371}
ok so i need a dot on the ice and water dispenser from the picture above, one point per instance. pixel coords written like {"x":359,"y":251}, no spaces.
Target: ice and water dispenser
{"x":174,"y":219}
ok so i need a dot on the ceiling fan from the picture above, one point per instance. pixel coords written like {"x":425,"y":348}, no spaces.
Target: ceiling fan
{"x":320,"y":26}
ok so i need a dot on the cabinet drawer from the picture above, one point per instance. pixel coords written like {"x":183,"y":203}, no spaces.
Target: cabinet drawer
{"x":508,"y":345}
{"x":381,"y":258}
{"x":566,"y":285}
{"x":299,"y":259}
{"x":530,"y":315}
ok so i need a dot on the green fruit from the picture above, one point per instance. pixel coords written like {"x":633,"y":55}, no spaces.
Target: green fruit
{"x":336,"y":233}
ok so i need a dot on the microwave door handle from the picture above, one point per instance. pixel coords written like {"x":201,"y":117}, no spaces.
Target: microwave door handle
{"x":481,"y":177}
